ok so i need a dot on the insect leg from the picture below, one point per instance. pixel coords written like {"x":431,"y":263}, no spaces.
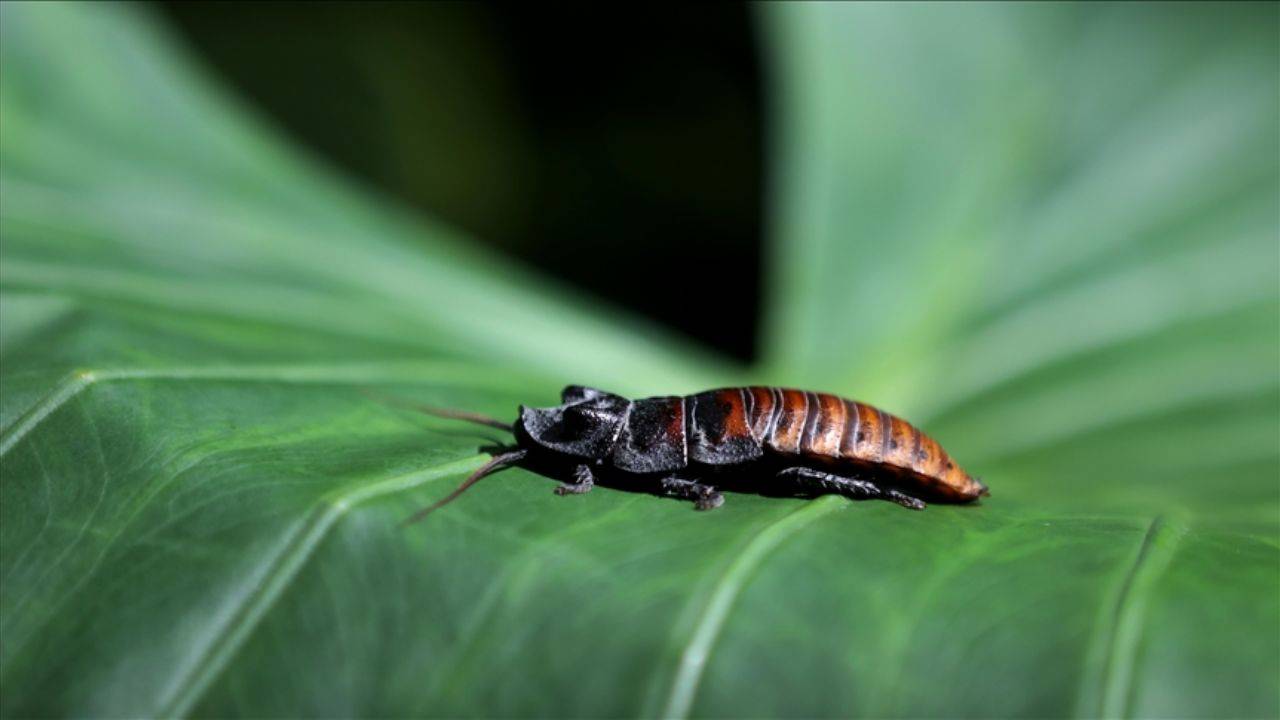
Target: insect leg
{"x":704,"y":497}
{"x":583,"y":481}
{"x":849,"y":487}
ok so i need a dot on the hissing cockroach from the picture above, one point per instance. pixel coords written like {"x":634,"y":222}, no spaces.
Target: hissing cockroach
{"x":765,"y":440}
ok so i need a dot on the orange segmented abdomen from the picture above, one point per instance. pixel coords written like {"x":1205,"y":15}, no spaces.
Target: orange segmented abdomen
{"x":928,"y":458}
{"x":825,"y":427}
{"x":764,"y":402}
{"x":874,"y":437}
{"x":831,"y":430}
{"x":898,"y":453}
{"x":864,"y":438}
{"x":792,"y":416}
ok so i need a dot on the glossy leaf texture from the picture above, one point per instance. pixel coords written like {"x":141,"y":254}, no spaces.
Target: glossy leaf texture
{"x":1073,"y":282}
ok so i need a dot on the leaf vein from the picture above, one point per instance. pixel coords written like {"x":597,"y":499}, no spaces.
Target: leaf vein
{"x":1154,"y":555}
{"x":693,"y":661}
{"x":280,"y":571}
{"x":340,"y":373}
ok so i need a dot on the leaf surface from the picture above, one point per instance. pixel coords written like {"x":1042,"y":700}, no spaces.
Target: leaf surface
{"x":1074,"y":284}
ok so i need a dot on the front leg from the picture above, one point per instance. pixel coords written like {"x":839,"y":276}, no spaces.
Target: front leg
{"x":704,"y":497}
{"x":810,"y":479}
{"x":584,"y":480}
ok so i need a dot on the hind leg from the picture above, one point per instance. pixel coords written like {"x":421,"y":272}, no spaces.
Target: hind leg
{"x":704,"y":497}
{"x":810,"y":479}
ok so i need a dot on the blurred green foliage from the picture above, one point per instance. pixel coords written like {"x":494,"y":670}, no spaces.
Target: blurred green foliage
{"x":611,"y":173}
{"x":1047,"y":231}
{"x":1050,"y":231}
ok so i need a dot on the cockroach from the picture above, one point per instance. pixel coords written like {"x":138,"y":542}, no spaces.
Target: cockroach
{"x":766,"y":440}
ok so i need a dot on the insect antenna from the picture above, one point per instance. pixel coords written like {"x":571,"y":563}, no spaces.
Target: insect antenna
{"x":442,"y":412}
{"x":499,"y":462}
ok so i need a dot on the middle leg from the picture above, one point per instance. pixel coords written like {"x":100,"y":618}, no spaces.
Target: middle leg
{"x":704,"y":497}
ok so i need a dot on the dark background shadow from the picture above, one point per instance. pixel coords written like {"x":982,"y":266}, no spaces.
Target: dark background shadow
{"x":618,"y":149}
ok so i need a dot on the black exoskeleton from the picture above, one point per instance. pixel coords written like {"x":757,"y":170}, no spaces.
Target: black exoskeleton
{"x":755,"y":439}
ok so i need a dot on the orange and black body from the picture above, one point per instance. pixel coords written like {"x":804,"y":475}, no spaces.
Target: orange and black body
{"x":766,"y":440}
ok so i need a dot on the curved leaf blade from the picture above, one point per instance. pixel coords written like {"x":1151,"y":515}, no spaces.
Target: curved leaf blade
{"x":201,"y":507}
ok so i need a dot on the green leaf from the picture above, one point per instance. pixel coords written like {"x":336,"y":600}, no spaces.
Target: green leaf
{"x":129,"y":181}
{"x":1049,"y":233}
{"x":1074,"y":281}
